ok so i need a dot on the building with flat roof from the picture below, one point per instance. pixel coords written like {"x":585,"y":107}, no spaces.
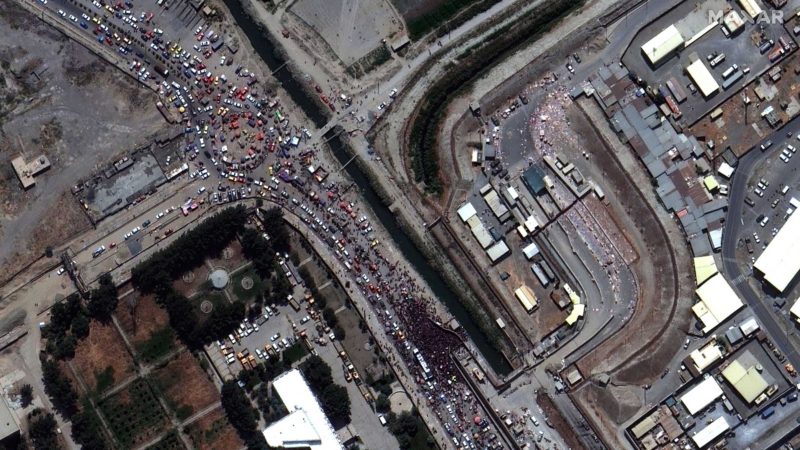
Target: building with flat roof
{"x":27,"y":170}
{"x":702,"y":395}
{"x":497,"y":251}
{"x":703,"y":358}
{"x":306,"y":426}
{"x":780,"y":261}
{"x":663,"y":45}
{"x":744,"y":375}
{"x":718,"y":301}
{"x":711,"y":432}
{"x":533,"y":179}
{"x":526,"y":297}
{"x":795,"y":310}
{"x":703,"y":78}
{"x":751,"y":7}
{"x":466,"y":211}
{"x":733,"y":22}
{"x":9,"y":428}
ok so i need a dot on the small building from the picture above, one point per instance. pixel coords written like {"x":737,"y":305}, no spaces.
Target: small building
{"x":703,"y":78}
{"x":662,"y":46}
{"x":399,"y":42}
{"x":701,"y":395}
{"x":27,"y":170}
{"x":751,"y":8}
{"x":530,"y":250}
{"x":718,"y":301}
{"x":466,"y":211}
{"x":497,"y":251}
{"x":733,"y":22}
{"x":526,"y":297}
{"x":533,"y":179}
{"x":704,"y":357}
{"x":711,"y":432}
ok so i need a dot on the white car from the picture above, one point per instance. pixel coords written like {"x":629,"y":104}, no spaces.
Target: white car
{"x":60,"y":271}
{"x":201,"y":190}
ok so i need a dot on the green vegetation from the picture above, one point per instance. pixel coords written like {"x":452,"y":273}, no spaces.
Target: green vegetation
{"x":257,"y":249}
{"x":243,"y":294}
{"x":410,"y":431}
{"x":131,"y":415}
{"x":242,"y":415}
{"x":448,"y":15}
{"x":369,"y":62}
{"x":188,"y":251}
{"x":170,"y":442}
{"x":67,"y":325}
{"x":103,"y":300}
{"x":42,"y":430}
{"x":87,"y":429}
{"x":471,"y":65}
{"x":294,"y":353}
{"x":25,"y":395}
{"x":159,"y":344}
{"x":332,"y":397}
{"x":58,"y":388}
{"x":105,"y":379}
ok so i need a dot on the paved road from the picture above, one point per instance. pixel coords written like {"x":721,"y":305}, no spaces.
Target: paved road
{"x":733,"y":229}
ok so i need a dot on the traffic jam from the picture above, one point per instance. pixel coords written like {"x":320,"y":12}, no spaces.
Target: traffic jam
{"x":240,"y":135}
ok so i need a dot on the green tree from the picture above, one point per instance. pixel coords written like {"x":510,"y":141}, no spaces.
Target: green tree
{"x":316,"y":372}
{"x":58,"y":388}
{"x":336,"y":403}
{"x":103,"y":300}
{"x":25,"y":395}
{"x":80,"y":326}
{"x":42,"y":430}
{"x":382,"y":403}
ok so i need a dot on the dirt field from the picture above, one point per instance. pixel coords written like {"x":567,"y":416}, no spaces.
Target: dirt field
{"x":558,"y":421}
{"x":351,"y":28}
{"x":53,"y":113}
{"x":103,"y":348}
{"x":213,"y":432}
{"x":185,"y":386}
{"x":140,"y":323}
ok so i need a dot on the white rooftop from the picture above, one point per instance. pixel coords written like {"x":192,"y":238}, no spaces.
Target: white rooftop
{"x":780,"y":262}
{"x":702,"y":395}
{"x":306,"y":426}
{"x":466,"y":211}
{"x":702,"y":77}
{"x":711,"y":432}
{"x":718,"y":301}
{"x":662,"y":44}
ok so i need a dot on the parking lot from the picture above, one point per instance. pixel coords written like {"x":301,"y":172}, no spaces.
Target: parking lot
{"x":740,"y":49}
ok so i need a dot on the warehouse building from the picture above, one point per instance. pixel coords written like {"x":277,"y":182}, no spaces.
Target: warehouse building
{"x":662,"y":46}
{"x":780,"y":262}
{"x":533,"y":179}
{"x":751,"y":8}
{"x":306,"y":426}
{"x":497,"y":251}
{"x":711,"y":432}
{"x":526,"y":297}
{"x":718,"y":301}
{"x":703,"y":78}
{"x":744,"y":375}
{"x":702,"y":395}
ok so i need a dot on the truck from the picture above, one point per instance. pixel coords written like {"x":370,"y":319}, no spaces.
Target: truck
{"x":717,"y":60}
{"x":729,"y":71}
{"x":768,"y":411}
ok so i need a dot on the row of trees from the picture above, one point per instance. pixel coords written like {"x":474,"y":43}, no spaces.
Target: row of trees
{"x":86,"y":429}
{"x":189,"y":250}
{"x":332,"y":397}
{"x":242,"y":415}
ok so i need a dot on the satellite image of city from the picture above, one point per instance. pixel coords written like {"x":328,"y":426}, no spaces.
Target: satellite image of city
{"x":399,"y":224}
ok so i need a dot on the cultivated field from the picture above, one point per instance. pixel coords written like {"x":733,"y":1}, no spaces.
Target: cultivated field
{"x":213,"y":432}
{"x":134,"y":414}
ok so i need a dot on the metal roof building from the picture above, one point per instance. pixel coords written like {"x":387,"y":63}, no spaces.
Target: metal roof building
{"x":526,"y":297}
{"x":533,"y":179}
{"x":466,"y":211}
{"x":702,"y":395}
{"x":718,"y":301}
{"x":663,"y":45}
{"x":711,"y":432}
{"x":703,"y":357}
{"x":780,"y":262}
{"x":703,"y":78}
{"x":497,"y":251}
{"x":748,"y":382}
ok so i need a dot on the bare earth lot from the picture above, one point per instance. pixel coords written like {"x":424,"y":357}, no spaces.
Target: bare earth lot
{"x":77,"y":110}
{"x":185,"y":386}
{"x":352,"y":28}
{"x":103,"y":348}
{"x":142,"y":321}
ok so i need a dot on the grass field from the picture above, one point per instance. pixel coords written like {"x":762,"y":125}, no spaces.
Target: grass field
{"x":216,"y":298}
{"x":246,"y":295}
{"x":134,"y":414}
